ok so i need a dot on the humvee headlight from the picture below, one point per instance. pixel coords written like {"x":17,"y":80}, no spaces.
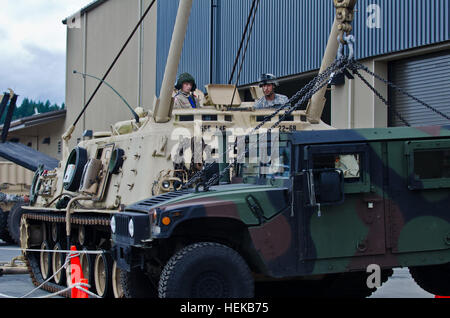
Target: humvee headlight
{"x":166,"y":185}
{"x":131,"y":228}
{"x":113,"y":224}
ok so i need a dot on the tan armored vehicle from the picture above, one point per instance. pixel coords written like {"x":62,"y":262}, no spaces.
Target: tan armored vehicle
{"x":138,"y":159}
{"x":12,"y":197}
{"x":14,"y":180}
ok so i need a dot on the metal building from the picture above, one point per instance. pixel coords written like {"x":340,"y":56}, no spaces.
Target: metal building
{"x":95,"y":35}
{"x":407,"y":41}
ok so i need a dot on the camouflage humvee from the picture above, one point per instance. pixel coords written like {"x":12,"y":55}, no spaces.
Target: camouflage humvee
{"x":343,"y":200}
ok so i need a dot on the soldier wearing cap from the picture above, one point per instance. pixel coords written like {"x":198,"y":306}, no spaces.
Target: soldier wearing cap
{"x":185,"y":97}
{"x":268,"y":83}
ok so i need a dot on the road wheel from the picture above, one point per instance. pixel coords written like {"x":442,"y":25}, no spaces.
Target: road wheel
{"x":14,"y":217}
{"x":87,"y":267}
{"x":116,"y":284}
{"x":103,"y":275}
{"x":45,"y":260}
{"x":434,"y":279}
{"x":206,"y":270}
{"x":58,"y":260}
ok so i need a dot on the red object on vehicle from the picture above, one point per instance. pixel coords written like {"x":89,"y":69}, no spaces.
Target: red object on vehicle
{"x":441,"y":296}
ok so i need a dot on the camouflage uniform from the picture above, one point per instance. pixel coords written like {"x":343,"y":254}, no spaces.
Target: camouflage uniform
{"x":279,"y":100}
{"x":182,"y":101}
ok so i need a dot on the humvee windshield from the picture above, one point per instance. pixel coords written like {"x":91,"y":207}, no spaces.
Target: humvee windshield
{"x":271,"y":165}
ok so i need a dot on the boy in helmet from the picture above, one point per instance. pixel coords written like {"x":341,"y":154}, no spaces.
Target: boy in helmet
{"x":185,"y":97}
{"x":268,"y":83}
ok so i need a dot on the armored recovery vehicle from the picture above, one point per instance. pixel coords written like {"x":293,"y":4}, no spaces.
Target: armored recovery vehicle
{"x":14,"y":184}
{"x":73,"y":203}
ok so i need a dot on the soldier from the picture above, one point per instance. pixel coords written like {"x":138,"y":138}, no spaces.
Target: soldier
{"x":268,"y":83}
{"x":185,"y":97}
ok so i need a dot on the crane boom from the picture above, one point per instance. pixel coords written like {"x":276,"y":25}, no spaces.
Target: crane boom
{"x":164,"y":105}
{"x":342,"y":24}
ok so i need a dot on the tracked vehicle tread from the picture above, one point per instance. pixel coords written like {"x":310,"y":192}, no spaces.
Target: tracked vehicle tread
{"x":32,"y":259}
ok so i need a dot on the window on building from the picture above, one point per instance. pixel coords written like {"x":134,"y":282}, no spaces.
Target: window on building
{"x":46,"y":141}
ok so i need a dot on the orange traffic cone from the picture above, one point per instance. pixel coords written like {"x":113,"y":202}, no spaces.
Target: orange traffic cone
{"x":77,"y":276}
{"x":82,"y":294}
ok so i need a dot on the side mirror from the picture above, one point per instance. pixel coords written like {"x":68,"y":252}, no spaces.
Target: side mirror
{"x":323,"y":187}
{"x":331,"y":187}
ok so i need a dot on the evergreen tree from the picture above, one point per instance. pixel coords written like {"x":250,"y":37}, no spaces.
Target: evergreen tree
{"x":28,"y":107}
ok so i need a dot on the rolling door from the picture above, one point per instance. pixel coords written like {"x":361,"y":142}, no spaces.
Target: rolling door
{"x":426,"y":77}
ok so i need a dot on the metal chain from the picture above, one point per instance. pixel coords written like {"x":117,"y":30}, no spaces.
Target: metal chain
{"x":302,"y":93}
{"x":401,"y":90}
{"x":305,"y":91}
{"x":337,"y":68}
{"x":378,"y":94}
{"x":340,"y":64}
{"x":320,"y":81}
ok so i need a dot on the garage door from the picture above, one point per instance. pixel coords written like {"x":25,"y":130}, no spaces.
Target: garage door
{"x":428,"y":78}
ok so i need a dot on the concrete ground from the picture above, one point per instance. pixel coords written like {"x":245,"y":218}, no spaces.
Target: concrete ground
{"x":400,"y":285}
{"x":15,"y":285}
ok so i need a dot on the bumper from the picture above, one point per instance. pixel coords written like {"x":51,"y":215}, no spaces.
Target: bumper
{"x":125,"y":244}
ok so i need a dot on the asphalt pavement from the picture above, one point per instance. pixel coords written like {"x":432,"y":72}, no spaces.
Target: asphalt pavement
{"x":400,"y":285}
{"x":16,"y":285}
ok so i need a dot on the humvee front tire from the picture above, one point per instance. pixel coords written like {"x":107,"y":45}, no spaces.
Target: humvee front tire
{"x":206,"y":270}
{"x":134,"y":284}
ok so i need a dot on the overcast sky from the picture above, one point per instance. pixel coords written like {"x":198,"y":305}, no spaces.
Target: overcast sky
{"x":33,"y":47}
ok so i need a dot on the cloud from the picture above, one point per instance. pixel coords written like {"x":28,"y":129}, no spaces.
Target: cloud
{"x":3,"y":33}
{"x":40,"y":76}
{"x":33,"y":47}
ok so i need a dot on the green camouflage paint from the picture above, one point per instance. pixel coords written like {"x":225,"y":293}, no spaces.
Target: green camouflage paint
{"x":382,"y":220}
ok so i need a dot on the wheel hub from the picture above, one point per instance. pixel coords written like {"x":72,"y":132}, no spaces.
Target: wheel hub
{"x":210,"y":285}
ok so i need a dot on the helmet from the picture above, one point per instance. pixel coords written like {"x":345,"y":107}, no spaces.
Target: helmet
{"x":268,"y":79}
{"x":186,"y":78}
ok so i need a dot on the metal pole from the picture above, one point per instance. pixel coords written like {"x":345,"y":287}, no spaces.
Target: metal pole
{"x":317,"y":103}
{"x":163,"y":108}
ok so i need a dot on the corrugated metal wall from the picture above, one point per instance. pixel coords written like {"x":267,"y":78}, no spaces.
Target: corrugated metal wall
{"x":290,"y":35}
{"x":427,"y":78}
{"x":196,"y":51}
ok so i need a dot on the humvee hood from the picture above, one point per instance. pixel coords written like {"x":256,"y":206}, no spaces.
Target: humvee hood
{"x":250,"y":203}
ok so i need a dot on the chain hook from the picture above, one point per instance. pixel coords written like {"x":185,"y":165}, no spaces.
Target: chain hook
{"x":348,"y":40}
